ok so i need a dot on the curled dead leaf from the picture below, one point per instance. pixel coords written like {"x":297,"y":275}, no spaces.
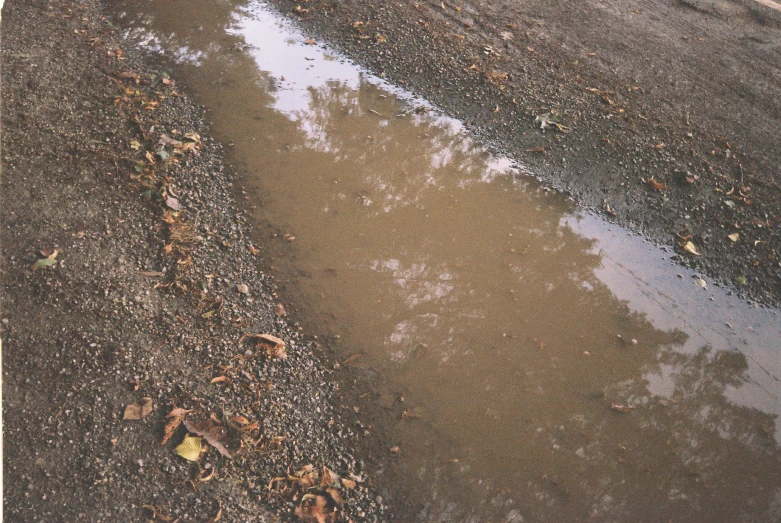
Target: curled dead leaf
{"x":348,"y":483}
{"x":220,"y":379}
{"x":275,"y":347}
{"x":140,"y":410}
{"x":691,"y":248}
{"x":656,"y":185}
{"x":622,"y":408}
{"x":215,"y":435}
{"x":170,"y":428}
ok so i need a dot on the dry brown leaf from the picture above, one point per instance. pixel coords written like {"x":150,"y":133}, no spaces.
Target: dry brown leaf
{"x":220,"y":379}
{"x":170,"y":428}
{"x":275,"y":347}
{"x":152,"y":273}
{"x":328,"y":477}
{"x":241,"y":420}
{"x":656,"y":185}
{"x":251,"y":426}
{"x":348,"y":483}
{"x":335,"y":495}
{"x":178,"y":412}
{"x":137,"y":411}
{"x":622,"y":408}
{"x":314,"y":509}
{"x":214,"y":434}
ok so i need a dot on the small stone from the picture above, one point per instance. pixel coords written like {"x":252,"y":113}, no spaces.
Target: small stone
{"x":242,"y":288}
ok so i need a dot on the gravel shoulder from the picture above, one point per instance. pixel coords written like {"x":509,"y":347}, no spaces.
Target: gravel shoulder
{"x":670,"y":109}
{"x":129,"y":278}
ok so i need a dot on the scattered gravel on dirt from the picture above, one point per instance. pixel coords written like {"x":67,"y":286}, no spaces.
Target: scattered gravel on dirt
{"x":671,"y":110}
{"x":147,"y":293}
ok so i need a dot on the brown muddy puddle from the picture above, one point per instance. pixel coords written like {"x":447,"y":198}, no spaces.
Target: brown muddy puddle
{"x":505,"y":332}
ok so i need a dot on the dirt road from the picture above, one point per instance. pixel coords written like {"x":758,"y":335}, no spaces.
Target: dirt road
{"x":669,"y":109}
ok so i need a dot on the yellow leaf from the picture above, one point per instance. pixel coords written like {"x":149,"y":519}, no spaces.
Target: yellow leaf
{"x":190,"y":448}
{"x":734,"y":236}
{"x":690,"y":248}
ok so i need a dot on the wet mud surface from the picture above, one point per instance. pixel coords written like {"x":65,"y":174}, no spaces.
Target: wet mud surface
{"x":671,"y":107}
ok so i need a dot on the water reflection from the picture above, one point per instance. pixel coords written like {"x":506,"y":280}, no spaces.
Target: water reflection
{"x":532,"y":366}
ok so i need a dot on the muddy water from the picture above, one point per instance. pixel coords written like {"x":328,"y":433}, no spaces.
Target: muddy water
{"x":531,"y":362}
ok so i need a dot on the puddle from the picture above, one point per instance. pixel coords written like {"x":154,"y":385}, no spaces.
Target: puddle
{"x":506,"y":331}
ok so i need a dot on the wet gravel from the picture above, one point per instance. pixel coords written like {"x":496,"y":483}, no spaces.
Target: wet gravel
{"x":153,"y":290}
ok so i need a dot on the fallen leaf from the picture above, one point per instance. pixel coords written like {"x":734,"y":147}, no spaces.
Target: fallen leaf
{"x":46,"y":262}
{"x":348,"y":483}
{"x":328,"y":477}
{"x":659,"y":146}
{"x":152,"y":273}
{"x":195,"y":137}
{"x":220,"y":379}
{"x":251,"y":426}
{"x":314,"y":509}
{"x":289,"y":238}
{"x":190,"y":448}
{"x":622,"y":408}
{"x":214,"y":434}
{"x":135,"y":145}
{"x":204,"y":476}
{"x":167,"y":140}
{"x":656,"y":185}
{"x":702,"y":283}
{"x":548,"y":120}
{"x":167,"y":81}
{"x":170,"y":428}
{"x":310,"y":41}
{"x":394,"y":450}
{"x":241,"y":420}
{"x":275,"y":347}
{"x":690,"y":248}
{"x":253,"y":250}
{"x":137,"y":411}
{"x":734,"y":236}
{"x":173,"y":203}
{"x":114,"y":441}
